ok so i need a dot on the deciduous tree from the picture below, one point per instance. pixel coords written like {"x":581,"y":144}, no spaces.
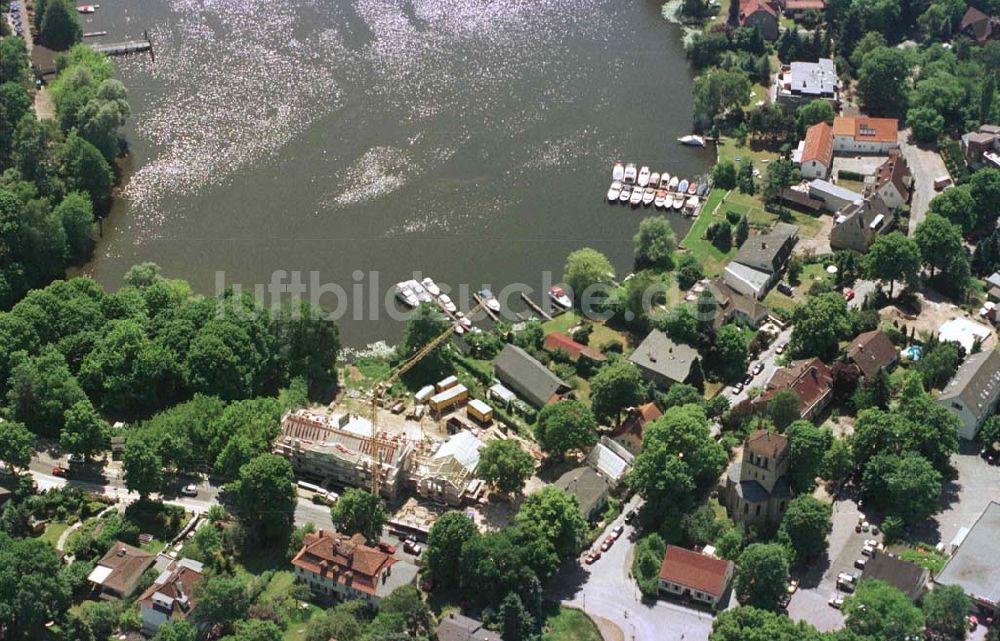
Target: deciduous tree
{"x":504,"y":465}
{"x":763,"y":575}
{"x":565,"y":426}
{"x":805,"y":526}
{"x":265,"y":497}
{"x":359,"y":512}
{"x":877,"y":610}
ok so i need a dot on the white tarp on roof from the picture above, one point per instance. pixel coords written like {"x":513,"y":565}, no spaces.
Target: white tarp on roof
{"x":964,"y":332}
{"x":99,"y":574}
{"x":464,"y":447}
{"x":607,"y":463}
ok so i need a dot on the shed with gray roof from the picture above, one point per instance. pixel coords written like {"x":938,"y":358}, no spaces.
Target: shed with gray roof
{"x":972,"y":392}
{"x":527,"y":377}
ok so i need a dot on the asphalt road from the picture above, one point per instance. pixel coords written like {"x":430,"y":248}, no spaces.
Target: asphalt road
{"x":926,"y":165}
{"x":767,"y":357}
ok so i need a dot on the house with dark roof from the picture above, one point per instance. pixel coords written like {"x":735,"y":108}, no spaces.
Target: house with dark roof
{"x":117,"y":574}
{"x":762,"y":14}
{"x":814,"y":155}
{"x":864,"y":135}
{"x":629,"y":433}
{"x":589,"y":488}
{"x":664,"y":362}
{"x":979,"y":26}
{"x":528,"y":378}
{"x":892,"y":181}
{"x":695,"y":576}
{"x":559,"y":342}
{"x":456,"y":627}
{"x":732,"y":306}
{"x":810,"y":380}
{"x":757,"y":487}
{"x":972,"y":392}
{"x":981,"y":147}
{"x":975,"y":565}
{"x":909,"y":578}
{"x":760,"y":260}
{"x":872,"y":351}
{"x":338,"y":567}
{"x":171,"y":596}
{"x":857,"y":225}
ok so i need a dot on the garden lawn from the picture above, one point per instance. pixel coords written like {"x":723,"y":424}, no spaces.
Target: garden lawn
{"x":711,"y":258}
{"x":925,"y":557}
{"x":570,"y":625}
{"x":52,"y":533}
{"x":297,"y":622}
{"x":730,"y":149}
{"x":601,"y":334}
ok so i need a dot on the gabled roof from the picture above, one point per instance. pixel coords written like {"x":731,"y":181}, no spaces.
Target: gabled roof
{"x":589,"y":487}
{"x":811,"y":380}
{"x":803,"y":5}
{"x":767,"y":444}
{"x":896,"y":171}
{"x":871,"y":351}
{"x":658,"y":354}
{"x":976,"y":382}
{"x":636,"y":419}
{"x":526,"y":376}
{"x":121,"y":567}
{"x":866,"y":128}
{"x":456,"y":627}
{"x":980,"y":25}
{"x":173,"y":591}
{"x":556,"y":341}
{"x":819,"y":144}
{"x":695,"y":571}
{"x":767,"y":251}
{"x":750,"y":7}
{"x":908,"y":578}
{"x":346,"y":561}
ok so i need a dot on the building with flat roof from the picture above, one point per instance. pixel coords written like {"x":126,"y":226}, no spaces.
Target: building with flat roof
{"x":696,"y":576}
{"x":834,"y":197}
{"x":972,"y":392}
{"x":800,"y":82}
{"x":975,"y":565}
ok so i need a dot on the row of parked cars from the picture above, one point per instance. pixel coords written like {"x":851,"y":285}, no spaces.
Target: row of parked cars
{"x":606,"y":544}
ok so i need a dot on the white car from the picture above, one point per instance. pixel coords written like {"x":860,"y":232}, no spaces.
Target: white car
{"x":447,"y":303}
{"x":190,"y":490}
{"x":836,"y":601}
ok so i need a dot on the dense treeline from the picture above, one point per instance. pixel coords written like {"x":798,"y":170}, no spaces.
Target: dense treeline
{"x":148,"y":346}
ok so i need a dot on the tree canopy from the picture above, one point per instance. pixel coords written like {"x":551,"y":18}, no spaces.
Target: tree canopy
{"x":564,"y":426}
{"x":359,"y":512}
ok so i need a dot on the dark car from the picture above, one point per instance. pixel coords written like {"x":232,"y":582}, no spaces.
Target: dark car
{"x":748,"y":379}
{"x":758,"y":368}
{"x":630,"y":517}
{"x":785,"y":288}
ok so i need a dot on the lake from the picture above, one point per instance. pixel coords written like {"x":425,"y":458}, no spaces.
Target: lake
{"x":468,"y":140}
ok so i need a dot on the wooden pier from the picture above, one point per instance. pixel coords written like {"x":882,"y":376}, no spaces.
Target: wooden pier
{"x":94,"y":34}
{"x":482,"y":305}
{"x":535,"y":307}
{"x":127,"y":47}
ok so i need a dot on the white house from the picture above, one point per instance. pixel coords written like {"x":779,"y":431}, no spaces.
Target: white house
{"x":170,"y":597}
{"x":815,"y":153}
{"x":864,"y":135}
{"x":973,"y":391}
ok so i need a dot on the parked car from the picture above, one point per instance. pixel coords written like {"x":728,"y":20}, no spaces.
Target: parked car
{"x":190,"y":490}
{"x":60,"y":471}
{"x":860,"y":563}
{"x":845,"y":582}
{"x":411,"y":546}
{"x":748,"y":379}
{"x":76,"y":459}
{"x":608,"y":542}
{"x":836,"y":601}
{"x":973,"y":622}
{"x":737,"y":388}
{"x":780,"y":349}
{"x":592,"y":557}
{"x":848,"y":294}
{"x":783,"y":601}
{"x":793,"y":586}
{"x":387,"y":547}
{"x":630,"y":517}
{"x":758,"y":368}
{"x":618,"y":531}
{"x":785,"y":289}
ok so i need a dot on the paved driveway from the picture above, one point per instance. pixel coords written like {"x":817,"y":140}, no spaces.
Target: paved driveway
{"x":767,"y":357}
{"x":965,"y":498}
{"x":925,"y":165}
{"x":864,"y":165}
{"x":606,"y":591}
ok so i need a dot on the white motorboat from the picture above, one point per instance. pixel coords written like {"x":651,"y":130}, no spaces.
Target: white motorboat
{"x":431,"y":286}
{"x":654,"y":180}
{"x":692,"y":141}
{"x":643,"y":179}
{"x":668,"y":202}
{"x":678,"y":202}
{"x":490,"y":300}
{"x":630,"y":173}
{"x":692,"y":203}
{"x":672,"y":185}
{"x":447,"y":303}
{"x":422,"y":294}
{"x":406,"y":295}
{"x":636,"y":197}
{"x":559,"y":296}
{"x":664,"y":180}
{"x":626,"y":194}
{"x":618,"y":171}
{"x":692,"y":189}
{"x":661,"y":198}
{"x":614,"y":191}
{"x":87,"y":8}
{"x":463,"y":320}
{"x":458,"y":328}
{"x":648,"y":196}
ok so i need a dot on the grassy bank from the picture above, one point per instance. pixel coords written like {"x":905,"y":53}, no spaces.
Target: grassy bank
{"x":570,"y":625}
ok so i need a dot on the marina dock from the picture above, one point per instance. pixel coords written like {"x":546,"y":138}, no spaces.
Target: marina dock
{"x":482,"y":305}
{"x":536,"y":307}
{"x":124,"y":48}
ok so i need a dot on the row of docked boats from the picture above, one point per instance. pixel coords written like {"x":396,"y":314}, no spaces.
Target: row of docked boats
{"x":644,"y":187}
{"x":413,"y":293}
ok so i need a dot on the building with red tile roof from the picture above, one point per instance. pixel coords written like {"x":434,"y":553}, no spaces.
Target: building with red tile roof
{"x":865,"y":135}
{"x":695,"y":576}
{"x":629,"y":433}
{"x":871,"y":351}
{"x":557,"y":341}
{"x":338,"y":567}
{"x":171,"y":596}
{"x":815,"y":153}
{"x":810,"y":380}
{"x":893,"y":181}
{"x":762,"y":14}
{"x":757,"y":486}
{"x":796,"y":8}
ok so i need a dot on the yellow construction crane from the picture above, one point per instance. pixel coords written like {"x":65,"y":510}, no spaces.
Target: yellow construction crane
{"x":380,"y":389}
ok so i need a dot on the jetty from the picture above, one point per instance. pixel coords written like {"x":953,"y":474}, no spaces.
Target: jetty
{"x":124,"y":48}
{"x":535,"y":306}
{"x":482,"y":306}
{"x":94,"y":34}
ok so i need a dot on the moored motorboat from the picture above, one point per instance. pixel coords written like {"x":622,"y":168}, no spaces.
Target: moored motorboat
{"x":630,"y":173}
{"x":678,"y":201}
{"x":664,"y":180}
{"x":661,"y":198}
{"x":559,"y":296}
{"x":702,"y":189}
{"x":648,"y":196}
{"x":626,"y":194}
{"x":643,"y":179}
{"x":692,"y":141}
{"x":618,"y":171}
{"x":636,"y":197}
{"x":692,"y":203}
{"x":490,"y":300}
{"x":682,"y":186}
{"x":614,"y":191}
{"x":406,"y":295}
{"x":431,"y":286}
{"x":447,"y":303}
{"x":672,"y":185}
{"x":693,"y":189}
{"x":422,"y":294}
{"x":654,"y":180}
{"x":668,"y":202}
{"x":87,"y":8}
